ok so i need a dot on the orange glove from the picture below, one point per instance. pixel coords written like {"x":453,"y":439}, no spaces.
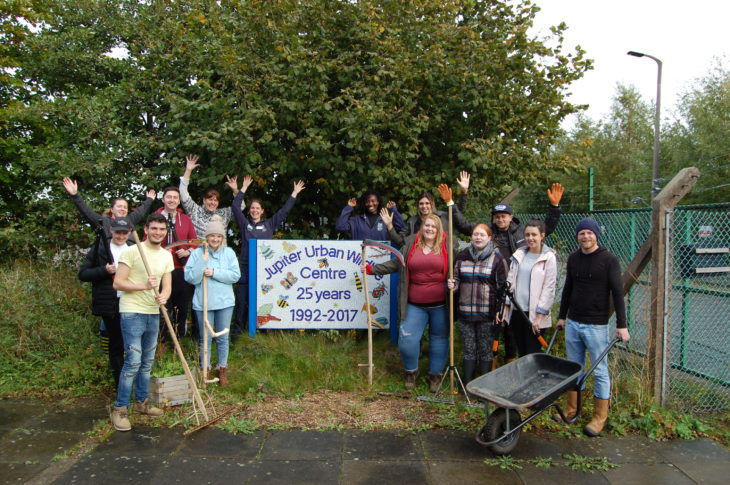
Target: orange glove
{"x":445,"y":192}
{"x":555,"y":194}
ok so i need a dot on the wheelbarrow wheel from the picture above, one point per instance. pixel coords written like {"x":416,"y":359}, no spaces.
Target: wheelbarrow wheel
{"x":496,"y":426}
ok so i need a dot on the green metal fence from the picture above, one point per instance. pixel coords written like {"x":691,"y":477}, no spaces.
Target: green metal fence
{"x":698,"y":275}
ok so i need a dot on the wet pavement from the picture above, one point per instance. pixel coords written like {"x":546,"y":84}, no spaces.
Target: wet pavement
{"x":36,"y":439}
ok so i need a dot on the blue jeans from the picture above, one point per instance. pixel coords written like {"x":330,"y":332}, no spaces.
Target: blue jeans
{"x":139,"y":332}
{"x":580,"y":337}
{"x":219,"y":319}
{"x":411,"y":330}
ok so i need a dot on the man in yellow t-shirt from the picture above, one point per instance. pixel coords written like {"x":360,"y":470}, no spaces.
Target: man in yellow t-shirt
{"x":139,"y":309}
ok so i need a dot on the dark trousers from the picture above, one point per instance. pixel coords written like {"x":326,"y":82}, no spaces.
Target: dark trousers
{"x":178,"y":304}
{"x":525,"y":341}
{"x":240,"y":323}
{"x":116,"y":344}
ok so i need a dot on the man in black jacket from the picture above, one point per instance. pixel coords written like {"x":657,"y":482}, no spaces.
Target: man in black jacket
{"x":592,"y":282}
{"x":99,"y":268}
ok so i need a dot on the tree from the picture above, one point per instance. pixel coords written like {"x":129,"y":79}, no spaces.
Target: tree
{"x":399,"y":95}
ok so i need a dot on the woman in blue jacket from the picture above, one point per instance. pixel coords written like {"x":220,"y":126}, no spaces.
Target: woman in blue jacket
{"x":254,"y":227}
{"x":219,"y":265}
{"x":368,"y":224}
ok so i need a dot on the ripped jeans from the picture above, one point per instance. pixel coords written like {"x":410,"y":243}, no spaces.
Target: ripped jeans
{"x":139,"y":332}
{"x":411,"y":330}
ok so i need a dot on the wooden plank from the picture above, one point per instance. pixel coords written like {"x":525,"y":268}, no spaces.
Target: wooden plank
{"x":718,"y":269}
{"x":712,"y":250}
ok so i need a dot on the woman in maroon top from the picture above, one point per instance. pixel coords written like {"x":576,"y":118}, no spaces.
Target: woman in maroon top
{"x":421,"y":298}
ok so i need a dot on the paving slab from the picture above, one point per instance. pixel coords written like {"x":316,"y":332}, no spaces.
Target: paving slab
{"x":68,"y":419}
{"x":15,"y":413}
{"x":452,"y":446}
{"x":314,"y":472}
{"x":626,"y":449}
{"x":444,"y":472}
{"x":37,"y":446}
{"x":384,"y":472}
{"x":707,"y":473}
{"x":185,"y":469}
{"x":558,"y":475}
{"x":12,"y":473}
{"x":684,"y":451}
{"x":647,"y":474}
{"x":212,"y":442}
{"x":302,"y":445}
{"x":532,"y":446}
{"x":111,"y":470}
{"x":141,"y":441}
{"x":382,"y":445}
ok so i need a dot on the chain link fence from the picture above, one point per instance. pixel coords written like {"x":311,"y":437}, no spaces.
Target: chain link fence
{"x":698,"y":275}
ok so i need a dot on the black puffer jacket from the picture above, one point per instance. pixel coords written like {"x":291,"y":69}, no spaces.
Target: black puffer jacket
{"x":104,"y":299}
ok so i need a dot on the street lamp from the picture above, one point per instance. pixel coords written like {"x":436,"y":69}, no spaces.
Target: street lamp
{"x":655,"y":166}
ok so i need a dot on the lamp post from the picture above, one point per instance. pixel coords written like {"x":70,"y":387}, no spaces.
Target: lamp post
{"x":655,"y":166}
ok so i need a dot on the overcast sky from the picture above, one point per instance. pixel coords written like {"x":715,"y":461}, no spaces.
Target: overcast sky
{"x":684,"y":35}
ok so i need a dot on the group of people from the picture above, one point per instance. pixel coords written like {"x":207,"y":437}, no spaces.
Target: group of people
{"x":506,"y":272}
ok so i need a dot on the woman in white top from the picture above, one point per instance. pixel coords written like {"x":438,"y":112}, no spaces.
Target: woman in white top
{"x":532,"y":275}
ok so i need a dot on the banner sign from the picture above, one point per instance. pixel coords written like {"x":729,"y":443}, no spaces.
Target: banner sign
{"x":316,"y":284}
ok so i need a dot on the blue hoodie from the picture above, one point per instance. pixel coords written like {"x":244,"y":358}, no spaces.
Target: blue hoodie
{"x":225,"y":273}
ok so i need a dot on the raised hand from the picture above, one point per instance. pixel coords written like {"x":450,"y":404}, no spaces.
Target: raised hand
{"x":298,"y":187}
{"x":232,"y":182}
{"x":555,"y":194}
{"x":352,"y":202}
{"x":151,"y":193}
{"x":191,"y":162}
{"x":445,"y":193}
{"x":387,"y":217}
{"x":463,"y":180}
{"x":71,"y":186}
{"x":390,"y":204}
{"x":247,"y":181}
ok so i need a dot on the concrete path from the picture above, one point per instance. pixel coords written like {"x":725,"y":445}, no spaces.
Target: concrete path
{"x":34,"y":439}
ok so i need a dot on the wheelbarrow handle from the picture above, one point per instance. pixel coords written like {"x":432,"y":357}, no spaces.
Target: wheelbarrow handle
{"x":552,"y":340}
{"x":598,"y":361}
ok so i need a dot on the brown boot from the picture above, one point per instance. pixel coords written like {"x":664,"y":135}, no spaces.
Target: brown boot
{"x":411,"y":379}
{"x":600,"y":414}
{"x":120,"y":419}
{"x":434,"y":382}
{"x":571,"y":409}
{"x":146,"y":407}
{"x":223,"y":376}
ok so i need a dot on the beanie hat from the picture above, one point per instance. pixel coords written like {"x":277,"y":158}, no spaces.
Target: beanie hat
{"x":121,"y":224}
{"x":502,"y":208}
{"x":215,"y":226}
{"x":590,"y":224}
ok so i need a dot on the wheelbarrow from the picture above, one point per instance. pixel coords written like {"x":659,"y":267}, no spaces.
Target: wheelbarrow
{"x":530,"y":384}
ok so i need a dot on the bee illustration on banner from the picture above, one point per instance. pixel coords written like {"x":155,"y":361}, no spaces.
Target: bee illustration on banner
{"x":323,"y":263}
{"x":288,"y":247}
{"x":289,"y":281}
{"x":379,"y":291}
{"x":282,"y":301}
{"x":266,"y":288}
{"x":266,"y":251}
{"x":358,"y":282}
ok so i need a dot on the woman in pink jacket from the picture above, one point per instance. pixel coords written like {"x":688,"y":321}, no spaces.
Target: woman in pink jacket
{"x":532,"y":275}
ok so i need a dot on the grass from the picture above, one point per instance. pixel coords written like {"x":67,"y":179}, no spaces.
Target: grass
{"x":49,"y":348}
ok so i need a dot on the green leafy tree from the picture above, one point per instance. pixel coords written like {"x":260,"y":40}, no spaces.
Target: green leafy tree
{"x":399,"y":95}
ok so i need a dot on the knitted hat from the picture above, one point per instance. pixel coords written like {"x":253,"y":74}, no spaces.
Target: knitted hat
{"x":590,"y":224}
{"x":121,"y":224}
{"x":215,"y":226}
{"x":506,"y":208}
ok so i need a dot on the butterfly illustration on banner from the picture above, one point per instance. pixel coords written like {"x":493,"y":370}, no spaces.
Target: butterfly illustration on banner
{"x":288,"y":247}
{"x":289,"y":281}
{"x":266,"y":288}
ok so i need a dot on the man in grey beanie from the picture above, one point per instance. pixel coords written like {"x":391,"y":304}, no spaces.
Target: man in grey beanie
{"x":592,"y":280}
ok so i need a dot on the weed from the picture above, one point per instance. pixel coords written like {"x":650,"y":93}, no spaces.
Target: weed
{"x":505,"y":462}
{"x":588,"y":464}
{"x":239,"y":425}
{"x":542,"y":462}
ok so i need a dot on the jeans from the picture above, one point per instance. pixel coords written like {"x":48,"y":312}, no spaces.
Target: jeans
{"x":139,"y":332}
{"x":219,"y":320}
{"x":580,"y":337}
{"x":411,"y":330}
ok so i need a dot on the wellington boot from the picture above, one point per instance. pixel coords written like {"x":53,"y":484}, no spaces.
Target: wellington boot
{"x":485,"y":366}
{"x":600,"y":414}
{"x":469,"y":368}
{"x":571,"y":409}
{"x":120,"y":419}
{"x":410,"y":378}
{"x":146,"y":407}
{"x":223,"y":376}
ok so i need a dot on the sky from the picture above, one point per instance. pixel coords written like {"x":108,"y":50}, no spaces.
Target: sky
{"x":684,"y":35}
